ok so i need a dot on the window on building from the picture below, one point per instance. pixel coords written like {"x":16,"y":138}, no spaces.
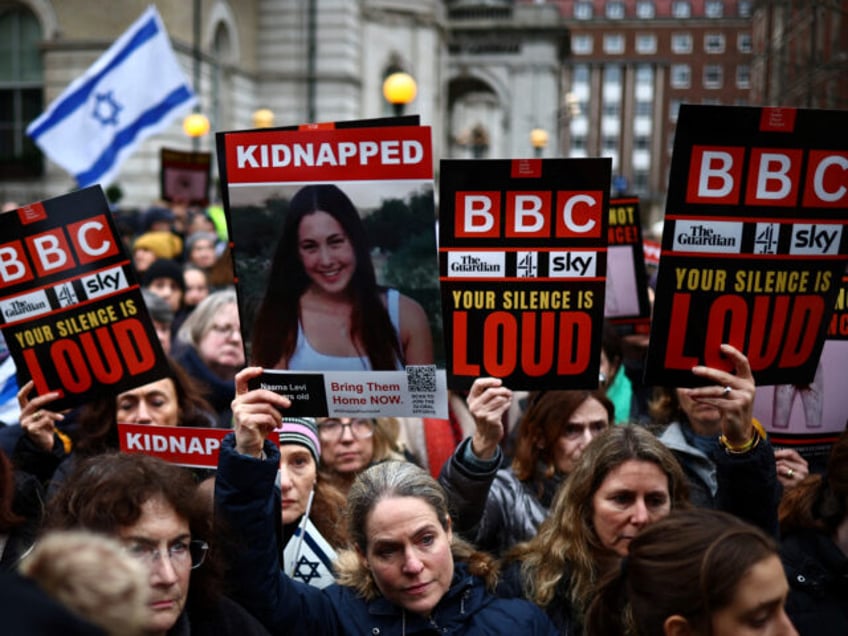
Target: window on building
{"x":613,"y":43}
{"x":581,"y":44}
{"x":681,"y":76}
{"x":673,"y":112}
{"x":609,"y":143}
{"x":743,"y":76}
{"x":645,"y":9}
{"x":713,"y":76}
{"x":612,"y":75}
{"x":581,"y":74}
{"x":681,"y":9}
{"x":714,"y":8}
{"x":644,"y":74}
{"x":681,"y":43}
{"x":614,"y":10}
{"x":644,"y":108}
{"x":582,"y":10}
{"x":646,"y":44}
{"x":578,"y":142}
{"x":641,"y":142}
{"x":743,"y":43}
{"x":640,"y":181}
{"x":714,"y":43}
{"x":744,"y":8}
{"x":612,"y":109}
{"x":21,"y":93}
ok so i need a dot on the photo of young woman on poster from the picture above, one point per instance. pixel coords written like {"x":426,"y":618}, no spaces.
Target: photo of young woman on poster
{"x":323,"y":308}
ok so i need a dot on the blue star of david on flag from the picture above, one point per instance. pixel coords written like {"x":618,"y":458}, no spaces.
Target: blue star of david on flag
{"x":134,"y":90}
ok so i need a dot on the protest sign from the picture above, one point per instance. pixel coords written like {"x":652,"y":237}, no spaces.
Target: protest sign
{"x":71,"y":310}
{"x":626,"y":305}
{"x":333,"y":238}
{"x":182,"y":445}
{"x":522,"y":258}
{"x":810,"y":417}
{"x":184,"y":176}
{"x":754,"y":244}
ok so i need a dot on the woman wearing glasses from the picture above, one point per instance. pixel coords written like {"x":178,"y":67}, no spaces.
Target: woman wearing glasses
{"x":153,"y":508}
{"x":350,"y":445}
{"x":211,"y":350}
{"x":498,"y":507}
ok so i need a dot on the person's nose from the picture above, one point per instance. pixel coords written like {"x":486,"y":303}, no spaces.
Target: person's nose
{"x":347,"y":435}
{"x":286,"y":483}
{"x":639,"y":514}
{"x":162,"y":571}
{"x":324,"y":255}
{"x":586,"y":437}
{"x":412,"y":564}
{"x":142,"y":414}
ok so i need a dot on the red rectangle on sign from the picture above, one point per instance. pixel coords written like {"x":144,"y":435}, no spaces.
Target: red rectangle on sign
{"x":32,"y":213}
{"x":778,"y":119}
{"x":526,"y":168}
{"x":182,"y":445}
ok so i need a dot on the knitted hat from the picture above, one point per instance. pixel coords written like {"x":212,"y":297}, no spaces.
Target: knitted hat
{"x":303,"y":431}
{"x":156,"y":215}
{"x":164,"y":268}
{"x":194,"y":237}
{"x":159,"y":309}
{"x":163,"y":244}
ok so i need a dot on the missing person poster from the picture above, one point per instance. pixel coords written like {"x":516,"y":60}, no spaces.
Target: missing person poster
{"x":754,"y":243}
{"x":71,"y":310}
{"x":522,"y":259}
{"x":334,"y":245}
{"x":184,"y":176}
{"x":626,"y":305}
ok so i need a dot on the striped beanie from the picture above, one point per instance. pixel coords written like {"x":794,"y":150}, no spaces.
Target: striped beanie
{"x":303,"y":431}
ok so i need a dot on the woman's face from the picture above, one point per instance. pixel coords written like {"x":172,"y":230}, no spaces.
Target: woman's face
{"x":326,"y":252}
{"x":633,"y":495}
{"x":196,"y":287}
{"x":297,"y":476}
{"x":758,"y":604}
{"x":160,"y":528}
{"x":168,"y":290}
{"x":142,"y":259}
{"x":344,"y":451}
{"x":221,"y":346}
{"x":408,"y":553}
{"x":586,"y":422}
{"x":154,"y":404}
{"x":202,"y":253}
{"x":705,"y":419}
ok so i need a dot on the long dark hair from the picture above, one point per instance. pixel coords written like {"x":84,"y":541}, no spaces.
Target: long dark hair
{"x":98,"y":423}
{"x":287,"y":281}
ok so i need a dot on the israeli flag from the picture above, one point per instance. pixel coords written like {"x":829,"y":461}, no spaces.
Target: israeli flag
{"x":308,"y":557}
{"x":132,"y":91}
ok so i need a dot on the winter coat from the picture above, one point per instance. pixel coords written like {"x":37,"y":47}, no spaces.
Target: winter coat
{"x":817,"y":571}
{"x":492,"y":508}
{"x":244,"y":500}
{"x":744,"y":484}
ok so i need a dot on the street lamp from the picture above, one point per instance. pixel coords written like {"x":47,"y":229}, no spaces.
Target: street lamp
{"x":399,"y":89}
{"x":538,"y":139}
{"x":263,"y":118}
{"x":196,"y":125}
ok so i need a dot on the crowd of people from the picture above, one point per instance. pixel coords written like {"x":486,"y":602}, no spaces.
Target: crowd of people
{"x":557,"y":513}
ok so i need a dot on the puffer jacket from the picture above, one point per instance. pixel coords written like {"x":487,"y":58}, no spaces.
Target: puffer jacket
{"x":492,"y":508}
{"x":244,"y":500}
{"x":817,"y":571}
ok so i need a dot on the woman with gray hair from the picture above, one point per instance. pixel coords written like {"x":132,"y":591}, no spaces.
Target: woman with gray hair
{"x":211,"y":350}
{"x":406,"y":571}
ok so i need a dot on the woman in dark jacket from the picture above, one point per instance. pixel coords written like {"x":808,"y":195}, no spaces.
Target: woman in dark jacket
{"x":814,"y":528}
{"x":406,"y":574}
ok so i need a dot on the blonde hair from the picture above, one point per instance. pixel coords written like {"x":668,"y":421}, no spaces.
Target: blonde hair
{"x":567,"y":543}
{"x":94,"y":577}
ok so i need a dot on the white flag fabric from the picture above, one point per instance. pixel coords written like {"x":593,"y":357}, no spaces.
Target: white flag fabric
{"x":134,"y":90}
{"x":309,"y":560}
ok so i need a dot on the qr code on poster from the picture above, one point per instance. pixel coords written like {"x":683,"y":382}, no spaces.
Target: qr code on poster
{"x":421,"y":378}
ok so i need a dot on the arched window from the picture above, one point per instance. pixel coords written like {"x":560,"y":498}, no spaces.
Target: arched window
{"x":21,"y":92}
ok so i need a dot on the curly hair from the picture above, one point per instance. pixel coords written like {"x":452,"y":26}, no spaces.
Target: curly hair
{"x":567,"y":542}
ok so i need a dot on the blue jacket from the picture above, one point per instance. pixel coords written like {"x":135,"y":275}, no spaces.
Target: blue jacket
{"x":244,"y":500}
